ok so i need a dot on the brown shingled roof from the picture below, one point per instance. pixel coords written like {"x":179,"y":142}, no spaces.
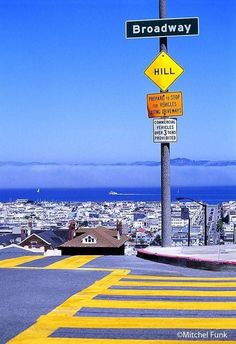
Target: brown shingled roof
{"x":104,"y":238}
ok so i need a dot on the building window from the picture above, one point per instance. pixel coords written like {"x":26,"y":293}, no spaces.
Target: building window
{"x":33,"y":244}
{"x":89,"y":240}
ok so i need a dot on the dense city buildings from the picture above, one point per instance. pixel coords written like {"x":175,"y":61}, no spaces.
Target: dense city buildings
{"x":46,"y":225}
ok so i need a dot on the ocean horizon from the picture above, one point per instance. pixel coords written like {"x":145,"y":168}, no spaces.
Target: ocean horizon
{"x":208,"y":194}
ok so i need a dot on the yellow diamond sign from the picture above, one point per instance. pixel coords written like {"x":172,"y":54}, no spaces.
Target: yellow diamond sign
{"x":163,"y":71}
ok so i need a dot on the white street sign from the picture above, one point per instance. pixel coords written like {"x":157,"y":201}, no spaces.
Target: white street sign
{"x":164,"y":130}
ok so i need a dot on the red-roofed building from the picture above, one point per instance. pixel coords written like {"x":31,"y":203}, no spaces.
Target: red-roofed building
{"x":95,"y":241}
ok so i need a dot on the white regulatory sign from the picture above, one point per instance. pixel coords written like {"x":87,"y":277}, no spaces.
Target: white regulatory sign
{"x":164,"y":130}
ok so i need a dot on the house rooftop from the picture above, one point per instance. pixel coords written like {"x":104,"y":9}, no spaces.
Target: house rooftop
{"x":102,"y":236}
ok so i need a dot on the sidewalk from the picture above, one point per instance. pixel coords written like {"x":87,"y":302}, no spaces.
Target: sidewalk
{"x":219,"y":257}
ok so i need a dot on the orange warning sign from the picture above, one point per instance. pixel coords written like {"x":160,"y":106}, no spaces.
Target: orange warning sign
{"x":168,"y":104}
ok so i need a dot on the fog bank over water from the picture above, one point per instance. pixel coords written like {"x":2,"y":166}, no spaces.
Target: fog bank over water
{"x":83,"y":176}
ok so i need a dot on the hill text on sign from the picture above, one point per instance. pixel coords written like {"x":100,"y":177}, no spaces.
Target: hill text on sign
{"x":169,"y":104}
{"x":163,"y":71}
{"x":163,"y":27}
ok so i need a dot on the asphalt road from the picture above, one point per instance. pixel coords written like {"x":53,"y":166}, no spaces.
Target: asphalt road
{"x":27,"y":294}
{"x":91,"y":300}
{"x":213,"y":217}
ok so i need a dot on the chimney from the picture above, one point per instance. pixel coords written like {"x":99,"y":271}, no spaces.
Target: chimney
{"x":119,"y":228}
{"x":71,"y":230}
{"x":23,"y":234}
{"x":30,"y":225}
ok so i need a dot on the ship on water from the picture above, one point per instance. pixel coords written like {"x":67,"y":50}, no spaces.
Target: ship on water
{"x":113,"y":193}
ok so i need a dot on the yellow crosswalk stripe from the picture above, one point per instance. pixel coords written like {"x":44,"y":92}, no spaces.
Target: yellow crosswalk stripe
{"x":136,"y":323}
{"x":78,"y":300}
{"x":42,"y":329}
{"x":180,"y":278}
{"x":179,"y":284}
{"x":174,"y":305}
{"x":71,"y":262}
{"x":14,"y":262}
{"x":64,"y":316}
{"x":168,"y":292}
{"x":116,"y":341}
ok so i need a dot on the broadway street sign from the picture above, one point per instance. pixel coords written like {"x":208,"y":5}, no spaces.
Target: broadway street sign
{"x":162,"y":27}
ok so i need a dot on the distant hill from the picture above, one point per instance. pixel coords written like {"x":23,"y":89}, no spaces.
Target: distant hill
{"x":188,"y":162}
{"x":174,"y":162}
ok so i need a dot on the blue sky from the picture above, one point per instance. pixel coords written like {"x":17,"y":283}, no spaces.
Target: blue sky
{"x":73,"y":89}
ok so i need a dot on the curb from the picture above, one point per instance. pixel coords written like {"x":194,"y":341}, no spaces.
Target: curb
{"x":189,"y":262}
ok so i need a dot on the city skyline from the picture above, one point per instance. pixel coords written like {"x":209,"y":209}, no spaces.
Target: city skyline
{"x":73,"y":89}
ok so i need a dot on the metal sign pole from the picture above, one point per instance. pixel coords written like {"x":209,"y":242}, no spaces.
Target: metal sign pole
{"x":165,"y":162}
{"x":189,"y":231}
{"x":205,"y":224}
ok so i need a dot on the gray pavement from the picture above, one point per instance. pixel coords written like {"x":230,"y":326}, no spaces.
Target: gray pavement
{"x":214,"y":257}
{"x":151,"y":291}
{"x":142,"y":266}
{"x":16,"y":251}
{"x":27,"y":294}
{"x":219,"y":253}
{"x":129,"y":334}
